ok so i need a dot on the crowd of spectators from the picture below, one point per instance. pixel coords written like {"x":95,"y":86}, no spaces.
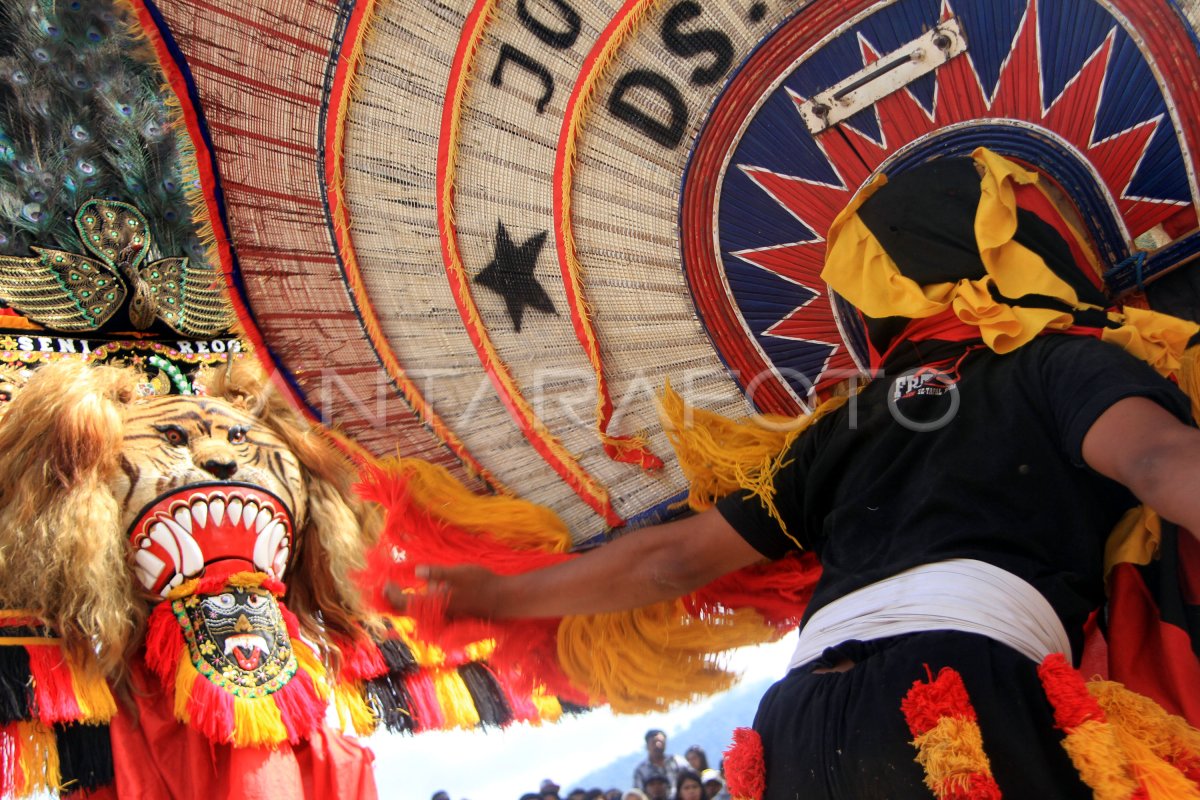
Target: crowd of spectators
{"x":660,"y":776}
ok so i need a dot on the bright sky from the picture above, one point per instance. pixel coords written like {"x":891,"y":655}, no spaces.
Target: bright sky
{"x":502,"y":765}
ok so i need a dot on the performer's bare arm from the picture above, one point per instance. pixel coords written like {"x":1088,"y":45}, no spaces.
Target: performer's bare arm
{"x":648,"y":565}
{"x":1143,"y":446}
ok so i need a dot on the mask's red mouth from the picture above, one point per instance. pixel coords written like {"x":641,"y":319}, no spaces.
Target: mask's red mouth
{"x":247,"y":649}
{"x":183,"y":533}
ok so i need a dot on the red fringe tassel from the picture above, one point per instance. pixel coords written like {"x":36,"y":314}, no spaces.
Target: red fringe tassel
{"x":427,"y":712}
{"x":164,"y":643}
{"x":745,"y":767}
{"x":209,"y":709}
{"x":1073,"y":703}
{"x":53,"y":686}
{"x":301,"y":708}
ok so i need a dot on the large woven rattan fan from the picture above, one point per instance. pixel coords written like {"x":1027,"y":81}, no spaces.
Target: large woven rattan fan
{"x":487,"y":233}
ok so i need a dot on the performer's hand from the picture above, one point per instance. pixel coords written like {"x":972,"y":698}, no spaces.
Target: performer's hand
{"x":467,"y":590}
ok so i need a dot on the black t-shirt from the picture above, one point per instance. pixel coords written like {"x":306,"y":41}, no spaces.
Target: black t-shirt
{"x":967,"y":455}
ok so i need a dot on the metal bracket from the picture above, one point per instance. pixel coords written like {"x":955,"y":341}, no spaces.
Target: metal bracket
{"x":887,"y":75}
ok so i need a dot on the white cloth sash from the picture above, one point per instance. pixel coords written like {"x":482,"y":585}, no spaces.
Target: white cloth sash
{"x":958,"y":595}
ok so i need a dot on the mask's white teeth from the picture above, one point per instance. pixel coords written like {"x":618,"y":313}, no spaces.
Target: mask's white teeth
{"x":234,"y":509}
{"x":246,"y":641}
{"x":161,"y":536}
{"x":216,"y":509}
{"x":150,"y":563}
{"x":145,"y":578}
{"x":192,"y":560}
{"x":264,"y":516}
{"x":281,"y":558}
{"x":183,"y":516}
{"x":147,"y":566}
{"x":278,"y":534}
{"x":171,"y":584}
{"x":262,"y":552}
{"x":249,"y":513}
{"x":200,"y":512}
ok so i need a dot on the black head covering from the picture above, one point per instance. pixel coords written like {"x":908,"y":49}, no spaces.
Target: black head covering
{"x":924,"y":218}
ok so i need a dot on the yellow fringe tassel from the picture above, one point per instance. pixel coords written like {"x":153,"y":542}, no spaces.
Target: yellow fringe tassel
{"x":92,"y":693}
{"x":425,"y":654}
{"x":352,"y":709}
{"x":719,"y":455}
{"x":951,"y":752}
{"x":548,"y":707}
{"x":515,"y":522}
{"x":480,"y":651}
{"x":651,"y":657}
{"x":1151,"y":739}
{"x":455,"y":700}
{"x":311,"y":663}
{"x":1100,"y":760}
{"x":257,"y":722}
{"x":38,"y":760}
{"x":185,"y":678}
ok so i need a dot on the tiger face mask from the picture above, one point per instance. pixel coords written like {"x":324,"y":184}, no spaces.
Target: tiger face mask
{"x":213,"y":549}
{"x":174,"y":442}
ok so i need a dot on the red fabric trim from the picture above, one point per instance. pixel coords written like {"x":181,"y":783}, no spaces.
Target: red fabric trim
{"x":572,"y":474}
{"x":946,"y":327}
{"x":1145,"y":653}
{"x":1033,"y":200}
{"x":1189,"y":567}
{"x":622,"y":448}
{"x":1094,"y":660}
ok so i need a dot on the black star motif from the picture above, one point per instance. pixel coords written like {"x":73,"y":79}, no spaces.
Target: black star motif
{"x":510,"y":275}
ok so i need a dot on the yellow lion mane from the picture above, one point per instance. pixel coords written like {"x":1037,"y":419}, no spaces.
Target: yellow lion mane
{"x":64,"y":554}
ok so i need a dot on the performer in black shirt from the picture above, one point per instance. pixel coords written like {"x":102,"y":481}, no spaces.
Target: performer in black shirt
{"x":959,"y":504}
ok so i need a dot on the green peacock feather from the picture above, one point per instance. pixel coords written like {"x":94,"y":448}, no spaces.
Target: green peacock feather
{"x":84,"y":117}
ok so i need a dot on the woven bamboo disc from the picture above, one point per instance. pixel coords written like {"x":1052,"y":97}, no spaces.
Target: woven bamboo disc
{"x":487,"y":233}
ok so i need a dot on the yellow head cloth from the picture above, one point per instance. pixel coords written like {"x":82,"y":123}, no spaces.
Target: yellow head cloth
{"x":859,"y":268}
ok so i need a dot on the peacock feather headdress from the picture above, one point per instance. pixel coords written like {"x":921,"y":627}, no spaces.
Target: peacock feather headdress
{"x":88,"y":132}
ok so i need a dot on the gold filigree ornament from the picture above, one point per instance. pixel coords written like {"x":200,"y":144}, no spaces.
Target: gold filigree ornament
{"x":73,"y":292}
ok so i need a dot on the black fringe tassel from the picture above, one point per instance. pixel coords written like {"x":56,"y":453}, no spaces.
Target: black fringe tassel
{"x":487,"y":695}
{"x":390,"y":701}
{"x":84,"y":756}
{"x":16,"y":685}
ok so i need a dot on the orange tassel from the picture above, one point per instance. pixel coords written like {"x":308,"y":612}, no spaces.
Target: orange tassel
{"x":1090,"y":740}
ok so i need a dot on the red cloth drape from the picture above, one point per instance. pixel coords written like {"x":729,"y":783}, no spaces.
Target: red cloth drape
{"x":157,"y":758}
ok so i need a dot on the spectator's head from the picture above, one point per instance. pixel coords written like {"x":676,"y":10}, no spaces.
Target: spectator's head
{"x":548,"y":790}
{"x":697,"y":758}
{"x":657,"y":787}
{"x":595,"y":793}
{"x":531,"y":796}
{"x":635,"y":794}
{"x":440,"y":795}
{"x":713,"y":782}
{"x":688,"y":786}
{"x":577,"y":794}
{"x":656,"y":742}
{"x":612,"y":794}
